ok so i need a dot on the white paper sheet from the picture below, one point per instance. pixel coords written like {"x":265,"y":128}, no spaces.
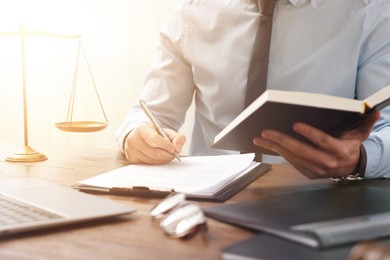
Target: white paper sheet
{"x":194,"y":174}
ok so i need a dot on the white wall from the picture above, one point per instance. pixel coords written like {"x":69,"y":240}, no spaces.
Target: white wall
{"x":119,"y":37}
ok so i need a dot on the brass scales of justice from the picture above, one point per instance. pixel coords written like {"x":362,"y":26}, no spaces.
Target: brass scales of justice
{"x":28,"y":154}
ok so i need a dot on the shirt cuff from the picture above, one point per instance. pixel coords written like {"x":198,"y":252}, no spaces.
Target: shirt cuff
{"x":362,"y":164}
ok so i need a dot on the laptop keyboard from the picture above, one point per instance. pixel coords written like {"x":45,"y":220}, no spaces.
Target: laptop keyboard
{"x":13,"y":212}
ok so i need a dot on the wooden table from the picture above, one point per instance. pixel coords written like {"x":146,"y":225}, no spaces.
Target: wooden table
{"x":135,"y":236}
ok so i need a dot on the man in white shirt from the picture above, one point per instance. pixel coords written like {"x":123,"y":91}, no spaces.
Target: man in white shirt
{"x":336,"y":47}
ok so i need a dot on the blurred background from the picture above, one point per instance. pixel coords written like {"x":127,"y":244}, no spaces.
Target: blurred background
{"x":119,"y":38}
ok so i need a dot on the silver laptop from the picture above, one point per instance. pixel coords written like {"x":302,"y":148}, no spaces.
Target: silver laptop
{"x":28,"y":204}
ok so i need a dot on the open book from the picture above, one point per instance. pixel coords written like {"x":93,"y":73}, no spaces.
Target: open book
{"x":279,"y":110}
{"x":199,"y":177}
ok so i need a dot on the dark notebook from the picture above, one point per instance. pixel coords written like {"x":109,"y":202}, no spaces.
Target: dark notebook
{"x":320,"y":218}
{"x":264,"y":246}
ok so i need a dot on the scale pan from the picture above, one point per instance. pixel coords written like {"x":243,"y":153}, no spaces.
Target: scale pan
{"x":81,"y":126}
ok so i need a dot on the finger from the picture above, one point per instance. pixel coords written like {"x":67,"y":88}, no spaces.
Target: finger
{"x":139,"y":149}
{"x":178,"y":140}
{"x":304,"y":166}
{"x":143,"y":153}
{"x":328,"y":142}
{"x":154,"y":156}
{"x":153,"y":139}
{"x":308,"y":159}
{"x":300,"y":149}
{"x":156,"y":149}
{"x":317,"y":137}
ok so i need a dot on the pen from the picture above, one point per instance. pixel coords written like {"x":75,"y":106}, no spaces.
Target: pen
{"x":155,"y":123}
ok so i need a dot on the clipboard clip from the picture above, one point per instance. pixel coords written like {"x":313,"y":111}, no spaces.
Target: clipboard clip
{"x":142,"y":191}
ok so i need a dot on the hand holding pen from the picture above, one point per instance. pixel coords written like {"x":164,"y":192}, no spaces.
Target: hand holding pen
{"x":156,"y":123}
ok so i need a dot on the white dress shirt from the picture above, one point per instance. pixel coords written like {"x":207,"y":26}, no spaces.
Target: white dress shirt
{"x":336,"y":47}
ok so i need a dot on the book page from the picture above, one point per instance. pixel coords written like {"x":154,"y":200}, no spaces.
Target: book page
{"x":192,"y":174}
{"x":379,"y":99}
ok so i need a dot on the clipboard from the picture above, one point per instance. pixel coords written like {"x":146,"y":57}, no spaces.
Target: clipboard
{"x":220,"y":195}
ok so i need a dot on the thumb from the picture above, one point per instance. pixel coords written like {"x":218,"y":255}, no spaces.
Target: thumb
{"x":368,"y":123}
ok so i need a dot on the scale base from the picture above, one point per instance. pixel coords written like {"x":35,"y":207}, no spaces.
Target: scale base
{"x":27,"y":154}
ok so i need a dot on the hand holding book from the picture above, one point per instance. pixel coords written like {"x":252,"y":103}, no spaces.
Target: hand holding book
{"x":328,"y":157}
{"x":320,"y":135}
{"x":280,"y":110}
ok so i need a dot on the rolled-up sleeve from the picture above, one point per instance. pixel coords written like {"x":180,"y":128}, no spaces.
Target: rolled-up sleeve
{"x":166,"y":89}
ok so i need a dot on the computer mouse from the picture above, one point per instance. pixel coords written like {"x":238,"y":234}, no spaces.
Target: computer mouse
{"x":183,"y":220}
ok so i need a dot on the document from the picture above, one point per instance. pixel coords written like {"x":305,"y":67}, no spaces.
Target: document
{"x":204,"y":177}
